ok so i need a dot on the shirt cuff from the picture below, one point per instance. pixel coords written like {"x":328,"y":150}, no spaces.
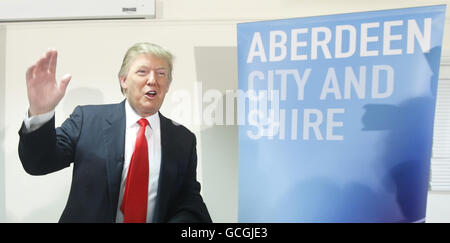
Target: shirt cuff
{"x":35,"y":122}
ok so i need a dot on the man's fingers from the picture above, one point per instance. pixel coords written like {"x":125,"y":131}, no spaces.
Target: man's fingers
{"x":30,"y":72}
{"x":42,"y":64}
{"x":39,"y":69}
{"x":64,"y":82}
{"x":52,"y":62}
{"x":46,"y":61}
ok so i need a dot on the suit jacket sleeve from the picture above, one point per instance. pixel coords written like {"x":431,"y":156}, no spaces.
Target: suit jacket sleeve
{"x":190,"y":207}
{"x":48,"y":149}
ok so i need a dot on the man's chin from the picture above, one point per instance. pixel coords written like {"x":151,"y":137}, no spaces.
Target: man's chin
{"x":150,"y":110}
{"x":146,"y":110}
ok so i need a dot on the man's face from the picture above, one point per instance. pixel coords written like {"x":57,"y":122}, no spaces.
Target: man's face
{"x":146,"y":84}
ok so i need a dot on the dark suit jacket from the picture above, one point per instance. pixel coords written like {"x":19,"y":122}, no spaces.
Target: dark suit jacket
{"x":93,"y":138}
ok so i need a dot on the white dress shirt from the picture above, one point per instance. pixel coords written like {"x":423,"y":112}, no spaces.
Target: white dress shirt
{"x":153,"y":135}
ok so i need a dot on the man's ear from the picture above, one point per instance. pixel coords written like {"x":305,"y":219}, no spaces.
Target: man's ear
{"x":123,"y":82}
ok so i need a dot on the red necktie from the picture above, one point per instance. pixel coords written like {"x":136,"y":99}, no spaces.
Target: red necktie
{"x":134,"y":203}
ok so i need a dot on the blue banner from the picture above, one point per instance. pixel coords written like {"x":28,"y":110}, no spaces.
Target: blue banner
{"x":336,"y":115}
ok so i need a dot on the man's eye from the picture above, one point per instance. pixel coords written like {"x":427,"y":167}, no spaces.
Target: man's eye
{"x":141,"y":71}
{"x":162,"y":74}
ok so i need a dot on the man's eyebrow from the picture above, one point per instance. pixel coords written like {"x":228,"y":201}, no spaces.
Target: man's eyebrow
{"x":142,"y":66}
{"x":146,"y":66}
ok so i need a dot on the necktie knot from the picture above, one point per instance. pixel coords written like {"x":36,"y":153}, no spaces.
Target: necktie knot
{"x":143,"y":122}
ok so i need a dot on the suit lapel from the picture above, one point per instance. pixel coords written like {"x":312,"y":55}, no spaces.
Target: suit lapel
{"x":167,"y":176}
{"x":114,"y":141}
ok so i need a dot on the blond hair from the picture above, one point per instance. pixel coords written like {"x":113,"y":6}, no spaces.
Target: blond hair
{"x":145,"y":48}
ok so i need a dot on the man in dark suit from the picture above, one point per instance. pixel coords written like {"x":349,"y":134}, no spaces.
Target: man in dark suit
{"x":131,"y":164}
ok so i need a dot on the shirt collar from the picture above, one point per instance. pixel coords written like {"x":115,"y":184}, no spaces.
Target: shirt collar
{"x":132,"y":117}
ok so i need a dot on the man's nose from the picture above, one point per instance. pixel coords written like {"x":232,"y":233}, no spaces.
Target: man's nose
{"x":151,"y":78}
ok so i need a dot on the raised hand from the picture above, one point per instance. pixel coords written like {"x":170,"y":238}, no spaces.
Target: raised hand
{"x":44,"y":93}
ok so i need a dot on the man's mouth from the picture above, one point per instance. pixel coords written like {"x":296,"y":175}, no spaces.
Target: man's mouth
{"x":151,"y":94}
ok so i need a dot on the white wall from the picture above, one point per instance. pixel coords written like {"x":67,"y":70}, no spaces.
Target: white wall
{"x":92,"y":52}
